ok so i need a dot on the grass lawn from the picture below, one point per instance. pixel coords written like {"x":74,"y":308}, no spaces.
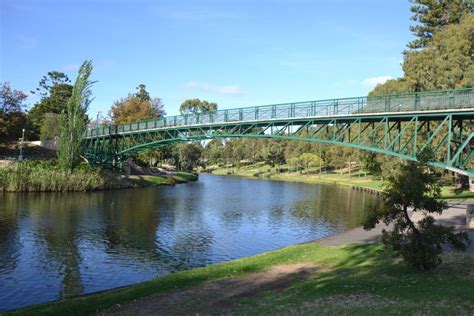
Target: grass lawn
{"x":355,"y":180}
{"x":348,"y":280}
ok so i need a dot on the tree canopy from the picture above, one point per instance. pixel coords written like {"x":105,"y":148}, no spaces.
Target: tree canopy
{"x":196,"y":105}
{"x":447,"y":62}
{"x":55,"y":90}
{"x":433,"y":15}
{"x":12,"y":119}
{"x":136,"y":107}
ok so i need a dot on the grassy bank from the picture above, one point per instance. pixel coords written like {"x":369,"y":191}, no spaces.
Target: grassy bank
{"x":175,"y":178}
{"x":356,"y":179}
{"x":46,"y":176}
{"x":352,"y":279}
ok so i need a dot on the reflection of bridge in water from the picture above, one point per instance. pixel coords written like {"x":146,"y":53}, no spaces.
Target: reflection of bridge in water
{"x":399,"y":125}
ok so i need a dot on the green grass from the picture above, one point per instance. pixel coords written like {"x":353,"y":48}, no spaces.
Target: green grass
{"x":352,"y":279}
{"x":45,"y":176}
{"x":355,"y":180}
{"x":177,"y":177}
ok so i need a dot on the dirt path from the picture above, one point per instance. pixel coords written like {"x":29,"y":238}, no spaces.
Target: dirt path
{"x":217,"y":297}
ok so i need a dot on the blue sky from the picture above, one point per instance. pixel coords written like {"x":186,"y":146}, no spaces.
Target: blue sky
{"x":233,"y":52}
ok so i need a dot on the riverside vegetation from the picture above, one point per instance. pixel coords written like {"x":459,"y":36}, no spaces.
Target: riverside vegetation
{"x":47,"y":176}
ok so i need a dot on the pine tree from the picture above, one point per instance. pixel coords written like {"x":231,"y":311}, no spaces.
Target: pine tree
{"x":433,"y":15}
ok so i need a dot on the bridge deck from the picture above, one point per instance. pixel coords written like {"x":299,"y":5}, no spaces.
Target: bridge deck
{"x":429,"y":103}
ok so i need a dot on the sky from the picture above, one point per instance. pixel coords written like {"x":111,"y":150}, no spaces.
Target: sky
{"x":233,"y":52}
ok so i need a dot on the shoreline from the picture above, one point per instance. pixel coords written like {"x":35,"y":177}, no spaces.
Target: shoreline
{"x":375,"y":186}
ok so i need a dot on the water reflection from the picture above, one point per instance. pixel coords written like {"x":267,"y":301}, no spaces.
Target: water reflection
{"x":60,"y":245}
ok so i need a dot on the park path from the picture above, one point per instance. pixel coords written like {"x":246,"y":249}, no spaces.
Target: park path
{"x":455,"y":216}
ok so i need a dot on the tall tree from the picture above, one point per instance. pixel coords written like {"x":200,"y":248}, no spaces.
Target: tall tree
{"x":196,"y":105}
{"x":448,"y":60}
{"x":415,"y":188}
{"x":55,"y":90}
{"x":73,"y":120}
{"x":142,"y":94}
{"x":51,"y":79}
{"x":137,"y":107}
{"x":433,"y":15}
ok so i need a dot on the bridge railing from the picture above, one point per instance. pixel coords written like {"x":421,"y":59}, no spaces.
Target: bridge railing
{"x":407,"y":102}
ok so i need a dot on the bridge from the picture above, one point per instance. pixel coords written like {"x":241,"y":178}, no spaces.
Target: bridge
{"x":399,"y":125}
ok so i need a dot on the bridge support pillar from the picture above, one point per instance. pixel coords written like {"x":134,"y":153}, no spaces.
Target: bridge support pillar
{"x":471,"y":184}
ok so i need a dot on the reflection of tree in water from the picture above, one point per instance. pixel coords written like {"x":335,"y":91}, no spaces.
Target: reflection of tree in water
{"x":337,"y":205}
{"x":10,"y":204}
{"x":59,"y":217}
{"x":145,"y":225}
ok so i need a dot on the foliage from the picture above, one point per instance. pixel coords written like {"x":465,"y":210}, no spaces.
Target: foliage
{"x":391,"y":86}
{"x":415,"y":187}
{"x":442,"y":55}
{"x":73,"y":121}
{"x":187,"y":156}
{"x":12,"y":119}
{"x":196,"y":105}
{"x":431,"y":16}
{"x":31,"y":176}
{"x":49,"y":81}
{"x":136,"y":107}
{"x":447,"y":62}
{"x":49,"y":129}
{"x":370,"y":163}
{"x":55,"y":92}
{"x":11,"y":100}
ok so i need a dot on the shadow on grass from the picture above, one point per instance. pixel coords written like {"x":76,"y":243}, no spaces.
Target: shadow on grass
{"x":354,"y":268}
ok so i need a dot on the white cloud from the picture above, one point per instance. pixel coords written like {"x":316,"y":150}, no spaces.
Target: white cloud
{"x":220,"y":89}
{"x":373,"y":81}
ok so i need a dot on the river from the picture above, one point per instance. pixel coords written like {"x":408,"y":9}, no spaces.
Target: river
{"x":54,"y":246}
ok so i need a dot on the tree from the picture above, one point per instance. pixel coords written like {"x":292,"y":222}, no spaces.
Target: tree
{"x":432,"y":16}
{"x":415,"y":187}
{"x":55,"y":91}
{"x":309,"y":160}
{"x":51,"y":79}
{"x":73,"y":120}
{"x":447,"y":62}
{"x":391,"y":86}
{"x":50,"y":126}
{"x":12,"y":119}
{"x":142,"y":94}
{"x":196,"y":105}
{"x":137,"y":107}
{"x":187,"y":156}
{"x":370,"y":163}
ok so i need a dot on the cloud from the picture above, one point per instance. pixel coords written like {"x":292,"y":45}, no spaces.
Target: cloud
{"x":220,"y":89}
{"x":71,"y":67}
{"x":373,"y":81}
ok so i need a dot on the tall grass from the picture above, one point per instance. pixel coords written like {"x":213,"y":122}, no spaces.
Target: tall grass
{"x":29,"y":176}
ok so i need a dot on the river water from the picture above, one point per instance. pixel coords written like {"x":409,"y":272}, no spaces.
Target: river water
{"x":54,"y":246}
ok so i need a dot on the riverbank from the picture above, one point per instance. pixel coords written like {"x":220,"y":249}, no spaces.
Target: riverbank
{"x":45,"y":176}
{"x":356,"y":180}
{"x":301,"y":279}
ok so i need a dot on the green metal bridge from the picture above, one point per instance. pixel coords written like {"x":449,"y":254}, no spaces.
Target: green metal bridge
{"x":400,"y":125}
